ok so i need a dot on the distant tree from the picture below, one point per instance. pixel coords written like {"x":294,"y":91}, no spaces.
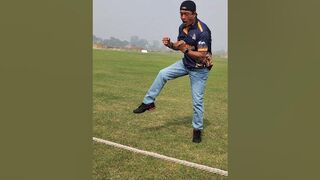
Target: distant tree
{"x":136,"y":42}
{"x":125,"y":43}
{"x":97,"y":40}
{"x":115,"y":42}
{"x":105,"y":42}
{"x":155,"y":45}
{"x":143,"y":43}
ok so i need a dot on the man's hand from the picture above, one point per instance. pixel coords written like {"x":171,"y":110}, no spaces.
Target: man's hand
{"x":166,"y":41}
{"x":179,"y":45}
{"x":182,"y":46}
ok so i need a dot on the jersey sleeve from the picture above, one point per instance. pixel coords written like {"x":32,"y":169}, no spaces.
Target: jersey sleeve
{"x":203,"y":42}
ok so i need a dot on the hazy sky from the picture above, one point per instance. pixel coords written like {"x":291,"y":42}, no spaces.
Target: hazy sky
{"x":154,"y":19}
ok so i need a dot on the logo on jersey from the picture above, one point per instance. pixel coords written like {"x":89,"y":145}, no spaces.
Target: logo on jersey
{"x":194,"y":37}
{"x":201,"y":43}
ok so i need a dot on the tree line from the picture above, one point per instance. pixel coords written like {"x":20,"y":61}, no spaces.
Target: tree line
{"x":134,"y":42}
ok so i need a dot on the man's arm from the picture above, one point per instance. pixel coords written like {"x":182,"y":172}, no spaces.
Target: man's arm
{"x":197,"y":55}
{"x":175,"y":46}
{"x":184,"y":48}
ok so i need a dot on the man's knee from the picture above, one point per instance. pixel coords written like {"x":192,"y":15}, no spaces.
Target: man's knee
{"x":197,"y":97}
{"x":163,"y":74}
{"x":198,"y":103}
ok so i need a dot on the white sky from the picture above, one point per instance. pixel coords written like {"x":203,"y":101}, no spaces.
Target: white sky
{"x":154,"y":19}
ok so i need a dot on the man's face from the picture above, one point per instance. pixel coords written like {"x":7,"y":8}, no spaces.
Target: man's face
{"x":187,"y":17}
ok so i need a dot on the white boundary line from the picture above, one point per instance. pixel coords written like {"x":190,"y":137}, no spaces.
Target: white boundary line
{"x":156,"y":155}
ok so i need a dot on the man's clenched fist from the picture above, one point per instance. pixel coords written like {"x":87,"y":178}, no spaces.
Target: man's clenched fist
{"x":166,"y":41}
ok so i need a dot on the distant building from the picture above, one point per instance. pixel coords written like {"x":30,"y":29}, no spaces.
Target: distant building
{"x":144,"y":51}
{"x":99,"y":46}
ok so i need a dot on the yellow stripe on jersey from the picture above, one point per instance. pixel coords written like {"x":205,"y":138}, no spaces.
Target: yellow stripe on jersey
{"x":199,"y":26}
{"x":203,"y":49}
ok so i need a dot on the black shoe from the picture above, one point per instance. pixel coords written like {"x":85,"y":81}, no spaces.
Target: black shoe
{"x":143,"y":107}
{"x":196,"y":136}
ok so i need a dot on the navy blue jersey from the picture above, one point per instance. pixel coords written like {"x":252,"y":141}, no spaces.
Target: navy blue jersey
{"x":198,"y":36}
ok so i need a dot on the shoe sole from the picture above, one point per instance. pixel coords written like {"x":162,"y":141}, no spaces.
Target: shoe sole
{"x":152,"y":109}
{"x":196,"y":141}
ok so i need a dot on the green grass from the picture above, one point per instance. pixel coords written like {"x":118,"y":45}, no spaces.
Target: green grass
{"x":120,"y":81}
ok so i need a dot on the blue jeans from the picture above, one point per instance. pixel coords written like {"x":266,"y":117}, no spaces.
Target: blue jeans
{"x":198,"y":78}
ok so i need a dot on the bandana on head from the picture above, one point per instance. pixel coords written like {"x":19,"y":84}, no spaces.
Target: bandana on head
{"x":188,"y":6}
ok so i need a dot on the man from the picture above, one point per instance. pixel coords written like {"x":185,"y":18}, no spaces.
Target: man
{"x":194,"y":40}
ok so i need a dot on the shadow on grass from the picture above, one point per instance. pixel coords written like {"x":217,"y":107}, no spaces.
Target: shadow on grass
{"x":176,"y":122}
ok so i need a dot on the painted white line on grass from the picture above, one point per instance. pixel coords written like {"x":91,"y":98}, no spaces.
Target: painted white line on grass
{"x":156,"y":155}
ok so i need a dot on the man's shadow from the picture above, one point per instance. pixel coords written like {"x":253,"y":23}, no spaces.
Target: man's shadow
{"x":179,"y":121}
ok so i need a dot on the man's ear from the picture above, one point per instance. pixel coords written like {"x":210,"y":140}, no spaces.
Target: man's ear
{"x":195,"y":13}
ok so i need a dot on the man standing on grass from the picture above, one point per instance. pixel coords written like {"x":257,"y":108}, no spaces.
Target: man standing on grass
{"x":194,"y":41}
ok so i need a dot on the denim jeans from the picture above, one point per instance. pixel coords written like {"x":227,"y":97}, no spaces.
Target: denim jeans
{"x":198,"y":78}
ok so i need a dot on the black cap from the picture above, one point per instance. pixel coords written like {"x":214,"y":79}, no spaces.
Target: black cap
{"x":188,"y":6}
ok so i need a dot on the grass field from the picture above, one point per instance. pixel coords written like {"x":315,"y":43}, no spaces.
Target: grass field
{"x":120,"y":81}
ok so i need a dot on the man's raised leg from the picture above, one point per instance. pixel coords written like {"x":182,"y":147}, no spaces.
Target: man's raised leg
{"x":171,"y":72}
